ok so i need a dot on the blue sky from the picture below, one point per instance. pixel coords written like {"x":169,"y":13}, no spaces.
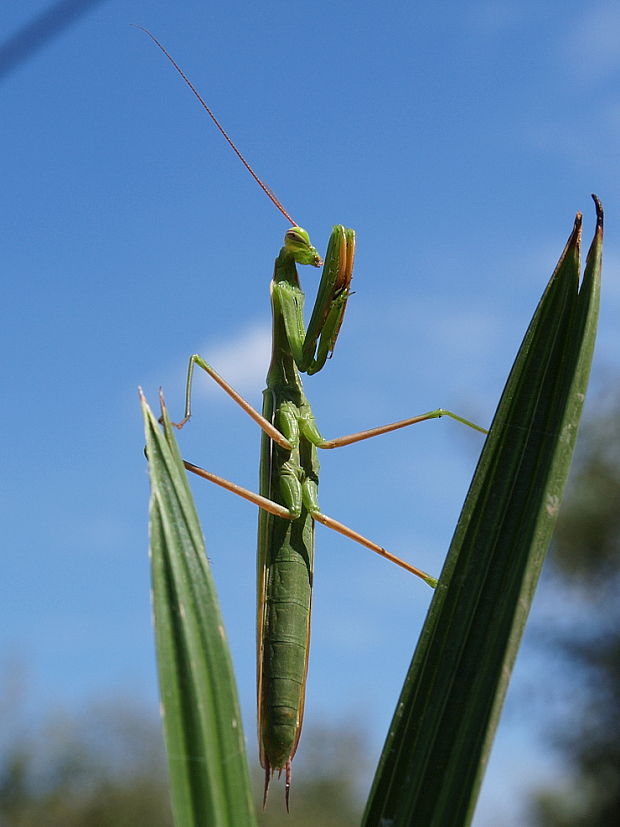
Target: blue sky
{"x":458,"y":139}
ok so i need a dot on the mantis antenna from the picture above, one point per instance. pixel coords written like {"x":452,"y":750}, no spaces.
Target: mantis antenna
{"x":272,"y":197}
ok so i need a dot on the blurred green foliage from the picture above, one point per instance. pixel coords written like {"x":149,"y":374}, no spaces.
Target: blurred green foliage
{"x":104,"y":766}
{"x":586,"y":569}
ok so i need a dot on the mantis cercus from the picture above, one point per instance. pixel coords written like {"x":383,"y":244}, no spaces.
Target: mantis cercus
{"x":289,"y":469}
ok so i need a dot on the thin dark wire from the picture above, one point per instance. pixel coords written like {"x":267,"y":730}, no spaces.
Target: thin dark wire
{"x":260,"y":183}
{"x":39,"y":31}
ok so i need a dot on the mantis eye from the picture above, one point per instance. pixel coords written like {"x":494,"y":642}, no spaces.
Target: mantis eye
{"x":295,"y":237}
{"x":297,"y":242}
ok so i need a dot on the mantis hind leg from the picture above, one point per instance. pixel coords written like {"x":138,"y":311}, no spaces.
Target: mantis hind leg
{"x":310,"y":502}
{"x":310,"y":491}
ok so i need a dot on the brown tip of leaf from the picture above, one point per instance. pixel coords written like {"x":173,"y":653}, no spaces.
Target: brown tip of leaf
{"x":599,"y":211}
{"x":575,"y":236}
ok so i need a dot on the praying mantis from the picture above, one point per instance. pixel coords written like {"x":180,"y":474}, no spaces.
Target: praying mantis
{"x":289,"y":472}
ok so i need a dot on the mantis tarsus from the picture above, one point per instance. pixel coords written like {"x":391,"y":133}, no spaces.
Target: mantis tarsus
{"x":289,"y":469}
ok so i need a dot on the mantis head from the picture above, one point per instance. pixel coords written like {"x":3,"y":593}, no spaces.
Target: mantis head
{"x":297,"y":242}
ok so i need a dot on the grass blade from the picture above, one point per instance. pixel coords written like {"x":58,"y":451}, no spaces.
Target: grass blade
{"x":436,"y":750}
{"x":208,"y":769}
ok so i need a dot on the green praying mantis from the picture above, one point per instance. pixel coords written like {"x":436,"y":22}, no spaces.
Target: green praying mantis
{"x":289,"y":472}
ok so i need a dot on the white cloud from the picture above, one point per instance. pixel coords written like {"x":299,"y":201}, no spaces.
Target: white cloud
{"x":242,"y":360}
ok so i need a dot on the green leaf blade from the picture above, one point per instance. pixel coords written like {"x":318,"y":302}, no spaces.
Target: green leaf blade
{"x":208,"y":770}
{"x":438,"y":744}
